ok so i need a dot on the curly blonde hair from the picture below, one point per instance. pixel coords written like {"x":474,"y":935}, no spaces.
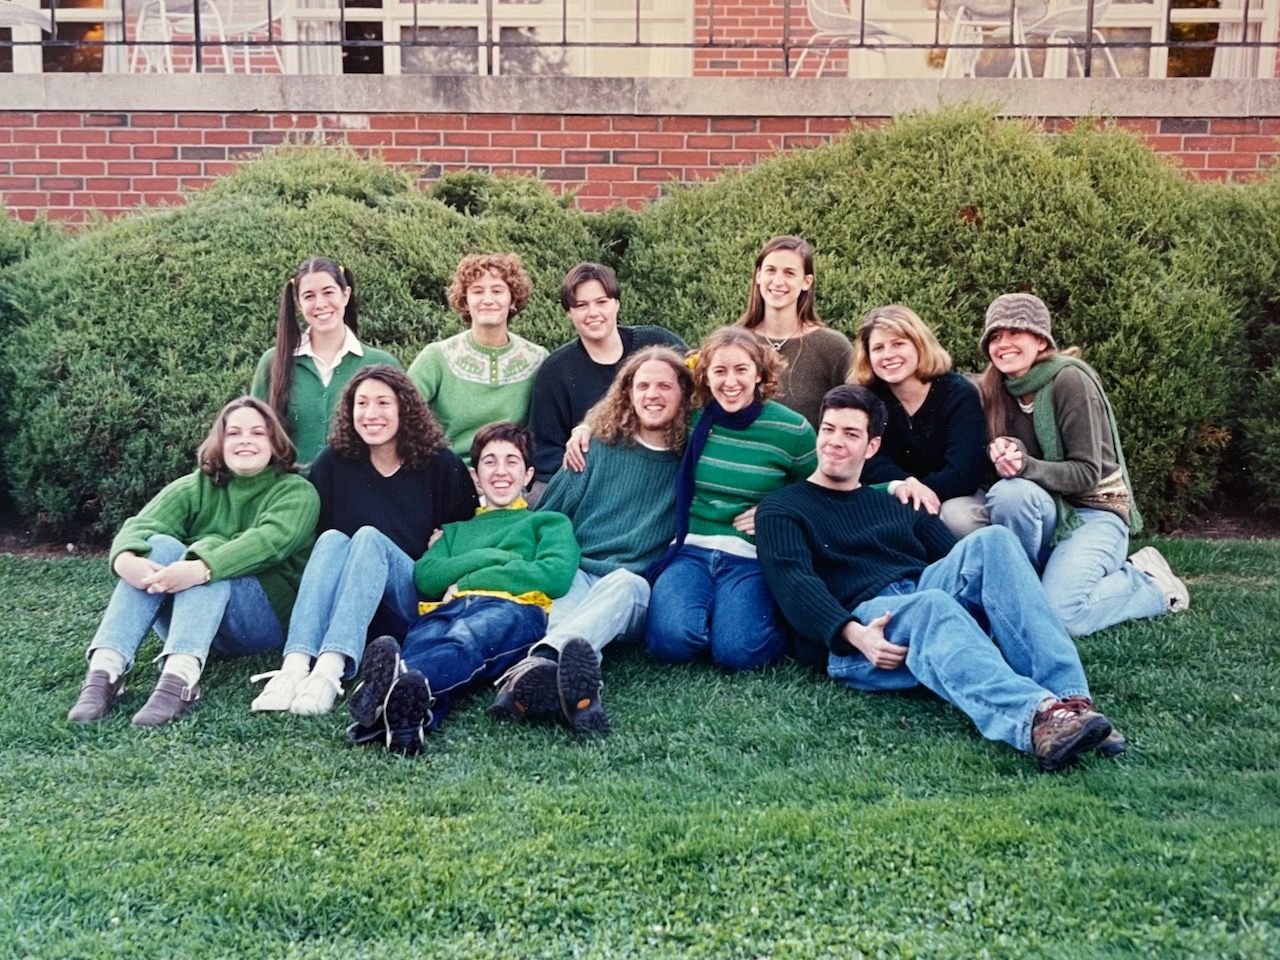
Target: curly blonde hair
{"x":767,"y":361}
{"x":613,"y":419}
{"x":474,"y":266}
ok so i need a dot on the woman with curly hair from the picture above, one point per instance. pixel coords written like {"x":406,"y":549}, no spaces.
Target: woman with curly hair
{"x":484,"y":374}
{"x":302,"y":376}
{"x":709,"y":594}
{"x":386,"y":481}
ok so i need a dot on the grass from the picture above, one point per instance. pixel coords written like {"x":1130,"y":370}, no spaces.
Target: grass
{"x":770,"y":815}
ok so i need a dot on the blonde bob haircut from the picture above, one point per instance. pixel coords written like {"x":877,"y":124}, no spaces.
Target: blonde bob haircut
{"x":767,"y":361}
{"x":904,"y":322}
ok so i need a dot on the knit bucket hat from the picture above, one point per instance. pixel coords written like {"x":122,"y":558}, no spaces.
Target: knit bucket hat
{"x":1017,"y":311}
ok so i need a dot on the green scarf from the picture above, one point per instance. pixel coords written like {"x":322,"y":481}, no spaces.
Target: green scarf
{"x":1039,"y":380}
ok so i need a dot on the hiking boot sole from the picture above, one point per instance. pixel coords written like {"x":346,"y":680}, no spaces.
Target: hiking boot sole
{"x":381,"y":667}
{"x":407,"y":713}
{"x":578,"y":683}
{"x":534,"y":695}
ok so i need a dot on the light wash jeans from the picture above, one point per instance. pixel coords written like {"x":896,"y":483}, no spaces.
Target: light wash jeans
{"x":469,"y":640}
{"x":716,"y":602}
{"x":599,"y":610}
{"x":233,"y":618}
{"x":985,"y":579}
{"x":347,"y":581}
{"x":1086,"y":578}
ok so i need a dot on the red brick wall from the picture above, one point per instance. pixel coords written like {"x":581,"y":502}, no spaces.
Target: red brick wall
{"x":742,"y":29}
{"x":68,"y":164}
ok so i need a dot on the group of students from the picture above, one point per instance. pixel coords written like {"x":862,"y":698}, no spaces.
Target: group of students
{"x":732,"y":505}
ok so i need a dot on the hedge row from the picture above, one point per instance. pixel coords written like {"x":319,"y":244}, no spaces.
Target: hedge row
{"x":124,"y":338}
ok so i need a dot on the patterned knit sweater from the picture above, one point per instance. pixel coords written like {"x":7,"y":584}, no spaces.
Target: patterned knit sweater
{"x":468,"y":385}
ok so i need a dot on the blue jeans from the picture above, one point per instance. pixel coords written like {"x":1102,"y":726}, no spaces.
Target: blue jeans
{"x":232,"y":618}
{"x":985,"y":575}
{"x":716,"y":602}
{"x":347,"y":581}
{"x":468,"y":641}
{"x":599,"y":610}
{"x":1086,"y":578}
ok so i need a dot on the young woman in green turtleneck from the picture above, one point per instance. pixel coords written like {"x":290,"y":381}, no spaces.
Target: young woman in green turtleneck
{"x":212,"y":562}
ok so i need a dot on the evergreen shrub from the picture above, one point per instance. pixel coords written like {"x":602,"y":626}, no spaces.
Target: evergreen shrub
{"x":945,"y":211}
{"x":133,"y":333}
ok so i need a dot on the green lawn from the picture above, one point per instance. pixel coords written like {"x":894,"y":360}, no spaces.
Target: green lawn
{"x":771,"y":815}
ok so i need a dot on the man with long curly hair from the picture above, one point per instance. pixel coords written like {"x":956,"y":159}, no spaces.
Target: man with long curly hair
{"x":622,"y":508}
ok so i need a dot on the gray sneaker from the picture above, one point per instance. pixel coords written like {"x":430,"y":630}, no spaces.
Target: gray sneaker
{"x":1150,"y":561}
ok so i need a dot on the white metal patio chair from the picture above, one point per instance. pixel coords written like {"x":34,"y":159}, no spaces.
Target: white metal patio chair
{"x":833,"y":23}
{"x":1067,"y":25}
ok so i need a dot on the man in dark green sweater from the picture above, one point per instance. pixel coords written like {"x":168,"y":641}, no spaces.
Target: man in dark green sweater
{"x":623,"y":511}
{"x":883,"y":598}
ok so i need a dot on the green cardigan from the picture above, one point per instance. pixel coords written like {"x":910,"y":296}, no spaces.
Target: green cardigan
{"x":510,"y":550}
{"x":260,"y":526}
{"x":311,"y":403}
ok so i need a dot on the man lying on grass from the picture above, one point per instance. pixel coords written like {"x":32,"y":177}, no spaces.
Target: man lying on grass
{"x":495,"y":576}
{"x":883,"y":598}
{"x":623,"y":511}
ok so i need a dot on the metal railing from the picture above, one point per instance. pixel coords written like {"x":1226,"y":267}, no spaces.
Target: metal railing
{"x":706,"y":30}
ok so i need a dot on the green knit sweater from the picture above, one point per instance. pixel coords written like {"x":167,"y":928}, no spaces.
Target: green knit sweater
{"x":738,"y":467}
{"x":467,"y":385}
{"x":511,"y":550}
{"x":311,"y":403}
{"x":622,"y":505}
{"x":260,"y":526}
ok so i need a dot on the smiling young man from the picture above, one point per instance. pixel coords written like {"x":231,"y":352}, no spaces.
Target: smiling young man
{"x":577,"y":374}
{"x":622,"y":507}
{"x":883,"y":598}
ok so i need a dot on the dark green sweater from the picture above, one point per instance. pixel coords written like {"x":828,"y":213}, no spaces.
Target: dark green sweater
{"x":824,"y":551}
{"x":622,"y":505}
{"x":260,"y":526}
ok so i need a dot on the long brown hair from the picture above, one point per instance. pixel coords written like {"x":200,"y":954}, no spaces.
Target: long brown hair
{"x":998,"y":404}
{"x":209,"y":456}
{"x":767,"y":362}
{"x":289,"y":332}
{"x":806,"y":312}
{"x":613,"y":419}
{"x":419,"y":436}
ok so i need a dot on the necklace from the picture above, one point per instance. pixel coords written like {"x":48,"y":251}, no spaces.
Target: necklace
{"x":779,"y":344}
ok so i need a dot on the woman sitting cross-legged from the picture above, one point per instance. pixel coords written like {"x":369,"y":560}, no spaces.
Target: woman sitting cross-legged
{"x":212,"y":562}
{"x":495,"y":576}
{"x":386,"y":482}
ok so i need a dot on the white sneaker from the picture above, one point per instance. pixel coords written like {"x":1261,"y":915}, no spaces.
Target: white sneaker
{"x":278,"y":694}
{"x":1151,"y":562}
{"x":316,"y":695}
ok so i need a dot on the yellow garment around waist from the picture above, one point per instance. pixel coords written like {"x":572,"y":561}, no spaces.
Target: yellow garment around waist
{"x":535,"y":597}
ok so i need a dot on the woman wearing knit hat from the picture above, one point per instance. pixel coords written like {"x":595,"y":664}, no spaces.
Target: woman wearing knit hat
{"x":1064,"y":487}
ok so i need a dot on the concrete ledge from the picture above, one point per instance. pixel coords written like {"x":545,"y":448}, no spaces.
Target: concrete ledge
{"x":640,"y":97}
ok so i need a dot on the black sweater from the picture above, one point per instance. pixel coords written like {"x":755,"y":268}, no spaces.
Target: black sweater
{"x":943,"y":444}
{"x":405,"y":506}
{"x":826,"y":551}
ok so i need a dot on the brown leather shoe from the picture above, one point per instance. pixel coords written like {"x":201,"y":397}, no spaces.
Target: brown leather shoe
{"x":97,"y":696}
{"x":168,"y":701}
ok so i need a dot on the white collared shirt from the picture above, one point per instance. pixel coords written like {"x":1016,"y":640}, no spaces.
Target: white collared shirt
{"x":350,"y":344}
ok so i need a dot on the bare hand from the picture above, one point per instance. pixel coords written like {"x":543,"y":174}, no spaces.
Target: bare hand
{"x":919,"y":495}
{"x":1007,"y":457}
{"x":176,"y":577}
{"x":450,"y":593}
{"x":871,"y":643}
{"x":745,"y":522}
{"x":133,"y":569}
{"x":575,"y":450}
{"x":436,"y":534}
